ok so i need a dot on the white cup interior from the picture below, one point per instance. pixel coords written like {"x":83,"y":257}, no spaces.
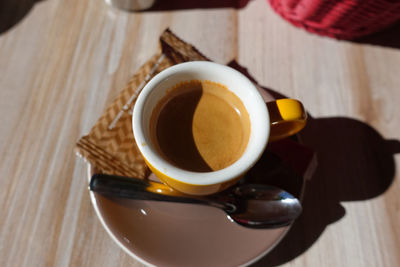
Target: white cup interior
{"x":201,"y":70}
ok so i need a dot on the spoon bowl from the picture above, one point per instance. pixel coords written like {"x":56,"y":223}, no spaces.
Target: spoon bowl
{"x":263,"y":206}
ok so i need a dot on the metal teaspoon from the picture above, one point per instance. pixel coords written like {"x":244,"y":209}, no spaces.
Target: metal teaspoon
{"x":250,"y":205}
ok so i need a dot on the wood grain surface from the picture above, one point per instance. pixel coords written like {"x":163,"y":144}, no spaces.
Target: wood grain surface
{"x":62,"y":62}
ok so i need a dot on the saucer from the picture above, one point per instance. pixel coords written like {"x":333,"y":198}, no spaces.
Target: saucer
{"x":174,"y":234}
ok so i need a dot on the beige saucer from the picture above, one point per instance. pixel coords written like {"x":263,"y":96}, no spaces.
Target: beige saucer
{"x":172,"y":234}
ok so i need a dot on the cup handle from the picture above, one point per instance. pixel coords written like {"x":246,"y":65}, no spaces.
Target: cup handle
{"x":287,"y":117}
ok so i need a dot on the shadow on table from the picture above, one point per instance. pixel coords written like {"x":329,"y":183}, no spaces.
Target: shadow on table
{"x":173,"y":5}
{"x":389,"y":37}
{"x":354,"y":163}
{"x":13,"y":11}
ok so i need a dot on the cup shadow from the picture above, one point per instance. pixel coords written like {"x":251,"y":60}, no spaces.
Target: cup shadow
{"x":13,"y":11}
{"x":354,"y":163}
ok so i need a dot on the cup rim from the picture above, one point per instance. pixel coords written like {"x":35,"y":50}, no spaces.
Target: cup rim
{"x":256,"y":145}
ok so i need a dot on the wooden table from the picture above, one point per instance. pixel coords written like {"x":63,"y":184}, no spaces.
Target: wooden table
{"x":62,"y":62}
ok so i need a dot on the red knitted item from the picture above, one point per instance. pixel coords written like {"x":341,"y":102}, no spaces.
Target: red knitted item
{"x":341,"y":19}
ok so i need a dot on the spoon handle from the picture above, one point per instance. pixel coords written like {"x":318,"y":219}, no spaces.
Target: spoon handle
{"x":134,"y":188}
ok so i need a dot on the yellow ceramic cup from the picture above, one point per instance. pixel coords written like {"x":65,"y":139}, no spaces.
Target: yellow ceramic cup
{"x":272,"y":121}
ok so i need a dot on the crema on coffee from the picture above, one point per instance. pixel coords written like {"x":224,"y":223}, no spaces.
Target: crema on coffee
{"x":200,"y":126}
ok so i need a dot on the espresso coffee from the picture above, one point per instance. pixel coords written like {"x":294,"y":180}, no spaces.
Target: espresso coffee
{"x":200,"y":126}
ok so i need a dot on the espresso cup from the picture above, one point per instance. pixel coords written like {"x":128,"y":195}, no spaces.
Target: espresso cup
{"x":267,"y":122}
